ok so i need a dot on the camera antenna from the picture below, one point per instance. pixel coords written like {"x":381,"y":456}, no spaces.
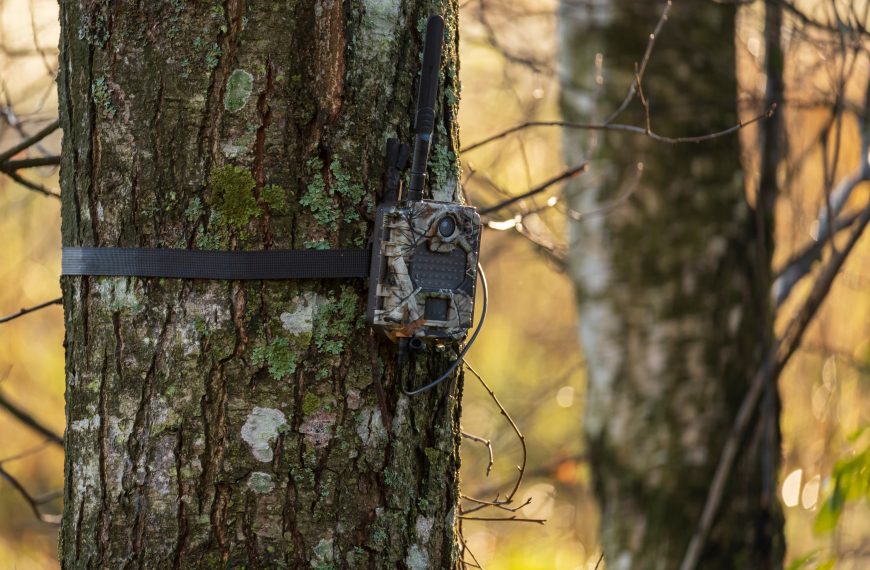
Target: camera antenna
{"x":424,"y":122}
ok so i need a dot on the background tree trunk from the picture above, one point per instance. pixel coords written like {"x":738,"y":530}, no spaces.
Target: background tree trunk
{"x":242,"y":424}
{"x":672,"y":286}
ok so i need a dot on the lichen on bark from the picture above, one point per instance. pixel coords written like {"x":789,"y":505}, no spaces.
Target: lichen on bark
{"x":227,"y":424}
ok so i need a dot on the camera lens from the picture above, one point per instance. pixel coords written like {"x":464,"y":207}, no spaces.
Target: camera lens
{"x":446,"y":226}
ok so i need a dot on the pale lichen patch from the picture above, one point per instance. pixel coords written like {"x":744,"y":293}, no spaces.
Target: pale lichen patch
{"x":231,"y":150}
{"x":261,"y":429}
{"x":423,"y":528}
{"x":260,"y":482}
{"x":324,"y":553}
{"x":85,"y":475}
{"x":417,"y":559}
{"x":382,"y":16}
{"x":118,"y":293}
{"x":162,"y":472}
{"x":86,"y":424}
{"x":370,"y":427}
{"x":300,"y":319}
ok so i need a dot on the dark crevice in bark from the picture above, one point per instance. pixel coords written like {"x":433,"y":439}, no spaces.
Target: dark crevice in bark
{"x":102,"y":537}
{"x":178,"y":556}
{"x":92,"y":152}
{"x":79,"y":518}
{"x":234,"y":11}
{"x":264,"y":112}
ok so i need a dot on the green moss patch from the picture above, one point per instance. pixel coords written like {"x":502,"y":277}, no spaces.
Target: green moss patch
{"x":278,"y":356}
{"x":233,"y":196}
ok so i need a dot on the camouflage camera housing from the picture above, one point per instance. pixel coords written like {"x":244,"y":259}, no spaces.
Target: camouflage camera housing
{"x":424,"y":269}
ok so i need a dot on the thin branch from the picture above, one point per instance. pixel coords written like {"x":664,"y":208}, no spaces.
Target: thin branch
{"x":600,"y":560}
{"x":28,"y":310}
{"x":643,"y":102}
{"x":32,"y":185}
{"x":48,"y":497}
{"x":465,"y":549}
{"x":794,"y":272}
{"x":553,"y":252}
{"x":547,"y":470}
{"x":570,"y":173}
{"x":486,"y":443}
{"x":502,"y":519}
{"x":11,"y":165}
{"x":800,"y":264}
{"x":495,"y":504}
{"x":774,"y":362}
{"x":26,"y":453}
{"x":493,"y":41}
{"x":632,"y":90}
{"x":30,"y":141}
{"x":520,"y":468}
{"x":612,"y":204}
{"x":31,"y":422}
{"x":634,"y":129}
{"x":34,"y":505}
{"x":823,"y":26}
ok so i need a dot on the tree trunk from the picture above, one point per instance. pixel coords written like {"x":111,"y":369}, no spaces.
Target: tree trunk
{"x":253,"y":424}
{"x":672,"y":287}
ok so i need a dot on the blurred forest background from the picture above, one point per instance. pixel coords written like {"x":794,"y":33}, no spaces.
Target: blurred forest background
{"x":529,"y":353}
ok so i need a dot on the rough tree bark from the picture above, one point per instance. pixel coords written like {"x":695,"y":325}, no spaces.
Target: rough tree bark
{"x":672,"y":287}
{"x":256,"y":424}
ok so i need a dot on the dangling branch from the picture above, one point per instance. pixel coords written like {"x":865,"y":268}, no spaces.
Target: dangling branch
{"x":28,"y":310}
{"x":29,"y":421}
{"x":486,"y":443}
{"x":53,"y":520}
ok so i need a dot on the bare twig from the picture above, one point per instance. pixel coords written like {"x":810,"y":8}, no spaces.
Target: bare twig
{"x":28,"y":310}
{"x":823,"y":26}
{"x":34,"y":505}
{"x":465,"y":549}
{"x":799,"y":264}
{"x":774,"y":362}
{"x":486,"y":443}
{"x":30,"y":141}
{"x":31,"y":185}
{"x":611,"y":205}
{"x":600,"y":559}
{"x":35,"y":36}
{"x":547,"y":470}
{"x":502,"y":519}
{"x":634,"y":129}
{"x":632,"y":90}
{"x":520,"y":468}
{"x":643,"y":102}
{"x":794,"y":272}
{"x":569,"y":173}
{"x":11,"y":165}
{"x":48,"y":497}
{"x":495,"y":504}
{"x":31,"y":422}
{"x":496,"y":44}
{"x":26,"y":453}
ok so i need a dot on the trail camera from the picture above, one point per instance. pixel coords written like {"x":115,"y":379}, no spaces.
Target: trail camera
{"x":424,"y":252}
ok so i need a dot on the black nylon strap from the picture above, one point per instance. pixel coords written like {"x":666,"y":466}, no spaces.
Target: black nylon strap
{"x":232,"y":265}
